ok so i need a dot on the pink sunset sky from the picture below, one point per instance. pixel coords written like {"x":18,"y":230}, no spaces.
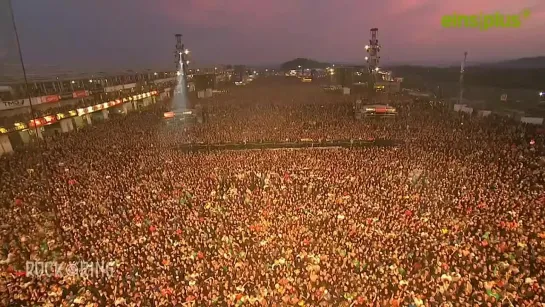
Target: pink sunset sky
{"x":140,"y":32}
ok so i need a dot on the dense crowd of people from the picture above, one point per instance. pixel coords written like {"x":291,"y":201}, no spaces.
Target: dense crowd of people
{"x":453,"y":217}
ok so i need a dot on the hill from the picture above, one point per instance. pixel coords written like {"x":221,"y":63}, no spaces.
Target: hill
{"x":522,"y":63}
{"x":490,"y":76}
{"x":303,"y":62}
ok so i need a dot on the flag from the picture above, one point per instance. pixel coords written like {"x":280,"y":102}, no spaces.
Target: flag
{"x":493,"y":294}
{"x":20,"y":273}
{"x":356,"y":263}
{"x":44,"y":247}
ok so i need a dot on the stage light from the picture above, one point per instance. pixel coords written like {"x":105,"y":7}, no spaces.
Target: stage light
{"x":186,"y":51}
{"x":366,"y":47}
{"x":366,"y":58}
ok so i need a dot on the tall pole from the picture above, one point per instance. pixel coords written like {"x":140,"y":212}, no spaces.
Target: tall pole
{"x":27,"y":89}
{"x":462,"y":68}
{"x":55,"y":208}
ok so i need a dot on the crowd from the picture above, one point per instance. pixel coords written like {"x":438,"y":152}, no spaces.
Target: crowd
{"x":453,"y":217}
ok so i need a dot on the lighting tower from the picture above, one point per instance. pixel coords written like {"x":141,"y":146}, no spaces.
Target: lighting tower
{"x":181,"y":55}
{"x":373,"y":58}
{"x":462,"y":68}
{"x":179,"y":102}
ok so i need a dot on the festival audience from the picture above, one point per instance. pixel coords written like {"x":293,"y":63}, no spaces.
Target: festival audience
{"x":453,"y":217}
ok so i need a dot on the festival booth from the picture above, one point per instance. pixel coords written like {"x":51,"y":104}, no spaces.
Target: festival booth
{"x":141,"y":101}
{"x":5,"y":145}
{"x":463,"y":108}
{"x":484,"y":113}
{"x":532,"y":120}
{"x":100,"y":116}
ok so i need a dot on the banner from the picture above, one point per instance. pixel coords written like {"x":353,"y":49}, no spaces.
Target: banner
{"x":113,"y":88}
{"x":67,"y":96}
{"x":50,"y":98}
{"x":158,"y":81}
{"x":80,"y":94}
{"x":14,"y":104}
{"x":22,"y":103}
{"x":129,"y":86}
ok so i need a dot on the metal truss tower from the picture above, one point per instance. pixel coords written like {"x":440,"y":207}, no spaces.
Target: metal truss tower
{"x":373,"y":58}
{"x":181,"y":56}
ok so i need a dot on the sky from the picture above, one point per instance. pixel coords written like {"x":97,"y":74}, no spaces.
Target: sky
{"x":139,"y":34}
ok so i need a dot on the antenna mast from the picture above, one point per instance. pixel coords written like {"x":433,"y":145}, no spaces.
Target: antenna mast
{"x":462,"y":68}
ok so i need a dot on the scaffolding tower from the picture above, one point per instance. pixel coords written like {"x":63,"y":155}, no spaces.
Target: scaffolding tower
{"x":181,"y":56}
{"x":373,"y":59}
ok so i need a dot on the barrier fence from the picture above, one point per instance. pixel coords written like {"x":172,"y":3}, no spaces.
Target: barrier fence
{"x":292,"y":145}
